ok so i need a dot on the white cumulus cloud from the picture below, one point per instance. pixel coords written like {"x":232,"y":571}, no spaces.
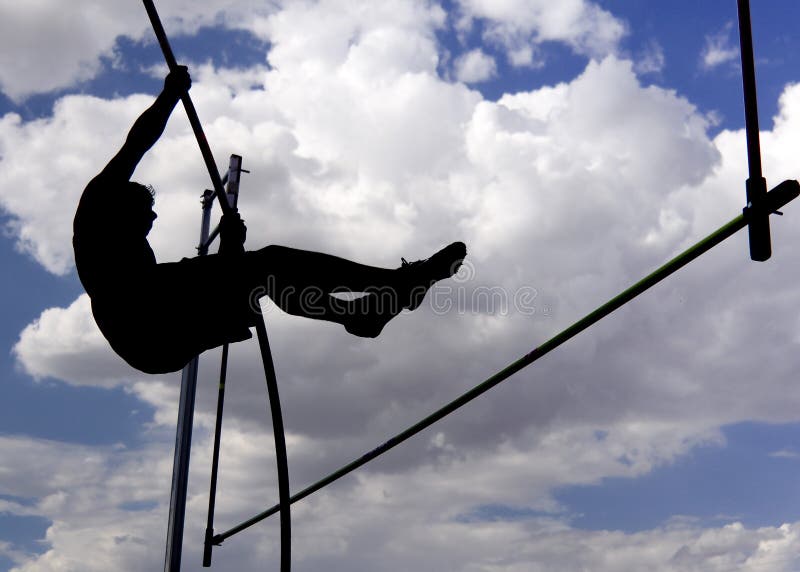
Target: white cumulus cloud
{"x":719,"y":49}
{"x":475,"y":66}
{"x":46,"y":47}
{"x":515,"y":24}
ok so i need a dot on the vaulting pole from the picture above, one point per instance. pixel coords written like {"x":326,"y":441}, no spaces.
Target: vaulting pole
{"x":280,"y":446}
{"x":178,"y":500}
{"x":775,"y":199}
{"x":191,"y":112}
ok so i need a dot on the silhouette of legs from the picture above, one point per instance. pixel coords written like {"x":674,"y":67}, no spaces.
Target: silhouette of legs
{"x":304,"y":269}
{"x":301,"y":282}
{"x":364,"y":316}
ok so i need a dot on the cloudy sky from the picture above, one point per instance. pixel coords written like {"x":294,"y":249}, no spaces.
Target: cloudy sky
{"x":574,"y":146}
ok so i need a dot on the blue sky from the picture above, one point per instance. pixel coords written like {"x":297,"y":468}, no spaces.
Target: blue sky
{"x":671,"y":428}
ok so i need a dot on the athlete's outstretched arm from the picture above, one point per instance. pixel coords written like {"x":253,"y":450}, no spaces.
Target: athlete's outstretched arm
{"x":150,"y":125}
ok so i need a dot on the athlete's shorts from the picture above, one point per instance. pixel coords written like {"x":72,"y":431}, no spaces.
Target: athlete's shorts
{"x":180,"y":310}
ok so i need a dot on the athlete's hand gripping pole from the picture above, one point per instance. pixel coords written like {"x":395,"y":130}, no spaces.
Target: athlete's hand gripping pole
{"x":191,"y":112}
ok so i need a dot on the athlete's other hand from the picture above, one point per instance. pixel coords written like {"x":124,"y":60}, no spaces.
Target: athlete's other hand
{"x":232,"y":234}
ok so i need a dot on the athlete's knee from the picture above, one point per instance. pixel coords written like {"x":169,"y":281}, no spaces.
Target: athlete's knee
{"x":262,"y":272}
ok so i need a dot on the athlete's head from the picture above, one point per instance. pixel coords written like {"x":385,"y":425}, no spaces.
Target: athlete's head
{"x":138,"y":202}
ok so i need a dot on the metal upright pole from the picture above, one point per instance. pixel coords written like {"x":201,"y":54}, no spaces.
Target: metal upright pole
{"x":232,"y":194}
{"x":180,"y":468}
{"x":758,"y":227}
{"x":205,"y":224}
{"x":183,"y":434}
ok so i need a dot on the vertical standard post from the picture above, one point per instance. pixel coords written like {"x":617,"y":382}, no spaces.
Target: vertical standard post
{"x":208,"y":546}
{"x":205,"y":224}
{"x":232,"y":195}
{"x":180,"y":468}
{"x":183,"y":434}
{"x":234,"y":175}
{"x":758,"y":226}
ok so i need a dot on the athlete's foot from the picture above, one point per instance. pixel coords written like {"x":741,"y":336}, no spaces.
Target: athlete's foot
{"x":418,"y":277}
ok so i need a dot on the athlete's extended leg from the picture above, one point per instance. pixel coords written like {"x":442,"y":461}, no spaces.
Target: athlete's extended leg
{"x":308,"y":270}
{"x":364,"y":316}
{"x":300,"y":282}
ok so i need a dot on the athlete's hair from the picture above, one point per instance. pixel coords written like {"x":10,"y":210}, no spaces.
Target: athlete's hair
{"x":142,"y":190}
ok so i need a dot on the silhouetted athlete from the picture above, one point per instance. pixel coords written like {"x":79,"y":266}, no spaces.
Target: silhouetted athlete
{"x":158,"y":316}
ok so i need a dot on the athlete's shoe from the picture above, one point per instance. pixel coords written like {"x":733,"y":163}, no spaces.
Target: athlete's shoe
{"x":373,"y":311}
{"x":420,"y":275}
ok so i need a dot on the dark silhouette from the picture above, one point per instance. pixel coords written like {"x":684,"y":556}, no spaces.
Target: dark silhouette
{"x":158,"y":316}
